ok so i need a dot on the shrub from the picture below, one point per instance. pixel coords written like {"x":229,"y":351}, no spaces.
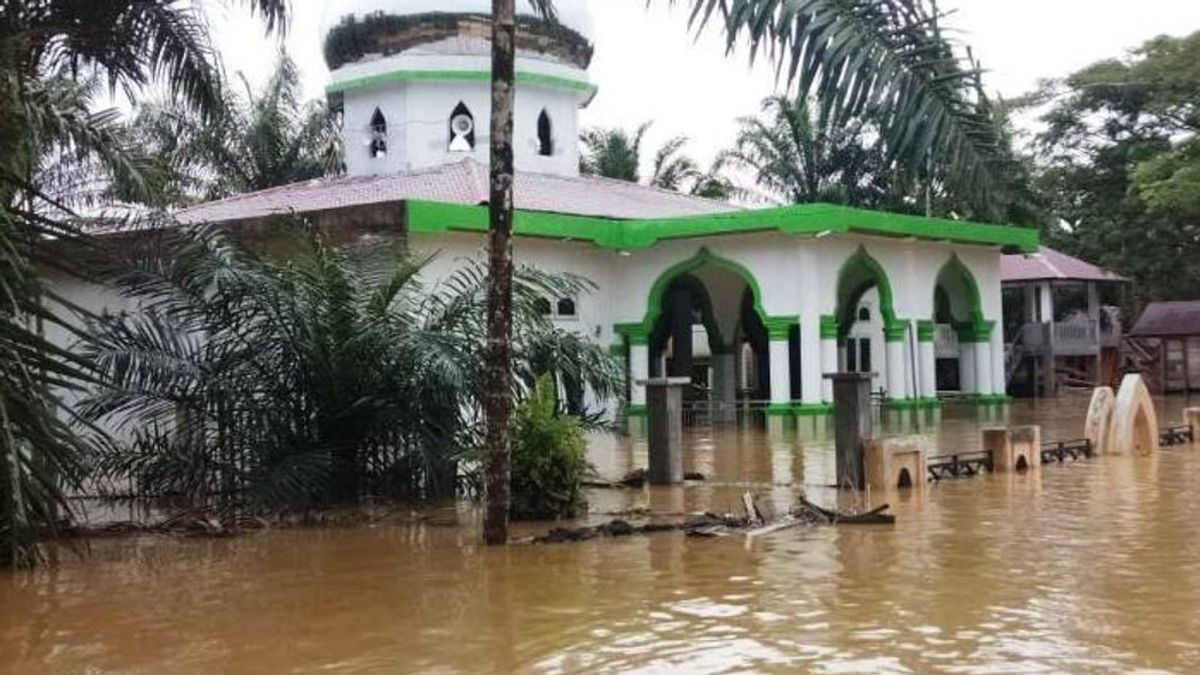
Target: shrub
{"x":549,"y":458}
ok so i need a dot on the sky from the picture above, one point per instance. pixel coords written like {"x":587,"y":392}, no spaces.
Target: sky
{"x":649,"y":67}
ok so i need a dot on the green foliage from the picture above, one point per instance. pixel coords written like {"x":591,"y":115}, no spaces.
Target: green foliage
{"x":617,"y":153}
{"x":1121,"y":166}
{"x":886,"y":59}
{"x":54,"y":148}
{"x":549,"y":458}
{"x":253,"y":142}
{"x":330,"y":378}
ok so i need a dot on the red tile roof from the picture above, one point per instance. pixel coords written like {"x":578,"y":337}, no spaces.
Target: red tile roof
{"x":1050,"y":265}
{"x":1167,"y":319}
{"x":464,"y":182}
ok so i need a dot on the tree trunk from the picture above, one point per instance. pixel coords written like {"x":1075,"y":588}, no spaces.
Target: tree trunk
{"x":498,"y":366}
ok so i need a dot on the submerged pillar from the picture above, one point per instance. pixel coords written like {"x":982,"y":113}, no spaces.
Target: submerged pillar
{"x":927,"y":357}
{"x":665,"y":433}
{"x":897,"y":370}
{"x":680,"y":310}
{"x":724,"y":386}
{"x":852,"y":426}
{"x":639,"y":372}
{"x":780,"y":354}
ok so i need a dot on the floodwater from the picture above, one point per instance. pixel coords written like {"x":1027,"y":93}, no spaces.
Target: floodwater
{"x":1089,"y":567}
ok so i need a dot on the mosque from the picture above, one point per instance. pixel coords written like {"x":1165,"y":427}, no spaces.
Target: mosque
{"x":756,"y":305}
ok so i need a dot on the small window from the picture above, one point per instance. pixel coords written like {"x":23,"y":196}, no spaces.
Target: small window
{"x":378,"y":129}
{"x":566,"y":307}
{"x":543,"y":307}
{"x":545,"y":132}
{"x":462,"y":129}
{"x":864,"y":314}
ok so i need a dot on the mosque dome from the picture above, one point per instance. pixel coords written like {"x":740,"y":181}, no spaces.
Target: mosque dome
{"x":355,"y":31}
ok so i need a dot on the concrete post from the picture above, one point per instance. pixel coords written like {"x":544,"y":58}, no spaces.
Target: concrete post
{"x":724,"y":386}
{"x":812,"y":369}
{"x":665,"y":438}
{"x":852,"y":426}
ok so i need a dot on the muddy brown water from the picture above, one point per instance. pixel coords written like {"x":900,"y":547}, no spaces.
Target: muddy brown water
{"x":1091,"y":567}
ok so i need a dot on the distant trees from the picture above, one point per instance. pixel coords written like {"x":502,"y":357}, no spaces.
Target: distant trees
{"x":1120,"y":165}
{"x":617,"y":153}
{"x":251,"y":141}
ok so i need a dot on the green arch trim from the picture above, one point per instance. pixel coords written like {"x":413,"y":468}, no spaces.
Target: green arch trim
{"x":703,"y":257}
{"x":976,"y":328}
{"x":878,"y":278}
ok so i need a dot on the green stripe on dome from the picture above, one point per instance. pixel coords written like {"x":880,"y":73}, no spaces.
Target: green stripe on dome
{"x":804,"y":219}
{"x":523,"y":77}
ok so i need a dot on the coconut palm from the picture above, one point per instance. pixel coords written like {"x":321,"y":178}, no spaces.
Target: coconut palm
{"x":257,"y":140}
{"x":332,"y":377}
{"x":50,"y":53}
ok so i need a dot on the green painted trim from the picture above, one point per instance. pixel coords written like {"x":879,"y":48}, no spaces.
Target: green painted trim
{"x":975,"y":333}
{"x":634,"y":333}
{"x":925,"y":331}
{"x":779,"y":410}
{"x":779,"y":328}
{"x":658,"y":290}
{"x":974,"y":299}
{"x":829,"y":327}
{"x":905,"y":404}
{"x":895,"y":331}
{"x":848,"y":298}
{"x":812,"y":409}
{"x":523,"y":77}
{"x":803,"y":219}
{"x":637,"y":411}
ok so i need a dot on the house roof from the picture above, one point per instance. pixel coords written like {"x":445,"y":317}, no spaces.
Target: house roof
{"x":1166,"y":319}
{"x":464,"y":182}
{"x":1050,"y":265}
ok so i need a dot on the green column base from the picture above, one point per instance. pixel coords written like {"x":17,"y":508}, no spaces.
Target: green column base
{"x":637,"y":411}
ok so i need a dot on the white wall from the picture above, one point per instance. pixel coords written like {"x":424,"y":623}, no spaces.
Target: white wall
{"x":418,"y":116}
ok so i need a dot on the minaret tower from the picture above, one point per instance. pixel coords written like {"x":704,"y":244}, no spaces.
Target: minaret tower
{"x":412,"y":81}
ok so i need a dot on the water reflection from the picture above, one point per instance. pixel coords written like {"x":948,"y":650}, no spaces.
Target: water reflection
{"x":1087,"y":567}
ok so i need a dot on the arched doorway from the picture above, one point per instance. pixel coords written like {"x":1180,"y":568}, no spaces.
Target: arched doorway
{"x":869,"y":337}
{"x":959,"y":326}
{"x":705,"y":321}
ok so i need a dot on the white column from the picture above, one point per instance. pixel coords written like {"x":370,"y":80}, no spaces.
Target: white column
{"x":831,"y":356}
{"x":1046,"y":300}
{"x":983,"y":367}
{"x":966,"y":367}
{"x":1093,"y":301}
{"x":781,"y":372}
{"x":812,"y":363}
{"x":999,"y":371}
{"x":1031,"y":303}
{"x":927,"y":356}
{"x":639,"y":370}
{"x":897,"y":371}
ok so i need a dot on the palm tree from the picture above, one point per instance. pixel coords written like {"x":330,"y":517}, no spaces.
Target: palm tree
{"x":613,"y":153}
{"x":50,"y":53}
{"x":799,"y":156}
{"x":255,"y":141}
{"x":329,"y":378}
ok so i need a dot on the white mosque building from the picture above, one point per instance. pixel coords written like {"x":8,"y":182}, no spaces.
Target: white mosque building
{"x":756,"y":304}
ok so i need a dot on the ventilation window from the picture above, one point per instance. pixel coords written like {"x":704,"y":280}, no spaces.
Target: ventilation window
{"x":864,"y":314}
{"x":545,"y":133}
{"x":378,"y":142}
{"x":462,"y":129}
{"x":566,"y":308}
